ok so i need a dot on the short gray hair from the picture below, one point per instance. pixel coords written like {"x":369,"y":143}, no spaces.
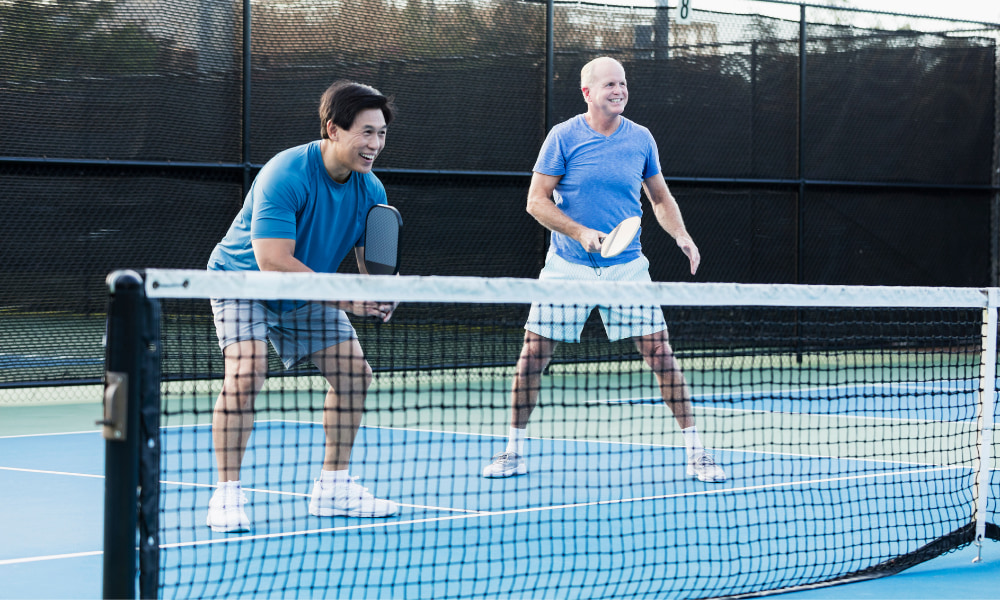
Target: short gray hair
{"x":587,"y":72}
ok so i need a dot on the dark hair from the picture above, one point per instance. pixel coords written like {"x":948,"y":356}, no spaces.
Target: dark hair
{"x":342,"y":101}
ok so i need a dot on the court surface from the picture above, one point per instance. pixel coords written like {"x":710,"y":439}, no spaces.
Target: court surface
{"x":610,"y":492}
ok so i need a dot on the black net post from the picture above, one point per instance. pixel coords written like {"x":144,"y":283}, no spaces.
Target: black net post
{"x":149,"y":452}
{"x":131,"y":352}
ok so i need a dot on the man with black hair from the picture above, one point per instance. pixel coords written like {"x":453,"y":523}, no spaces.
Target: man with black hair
{"x":305,"y":211}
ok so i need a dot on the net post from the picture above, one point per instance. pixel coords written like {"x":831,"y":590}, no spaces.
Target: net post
{"x":149,"y":452}
{"x":987,"y":403}
{"x":126,"y":355}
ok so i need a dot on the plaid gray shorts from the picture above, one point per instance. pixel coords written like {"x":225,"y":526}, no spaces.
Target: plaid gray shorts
{"x":295,"y":334}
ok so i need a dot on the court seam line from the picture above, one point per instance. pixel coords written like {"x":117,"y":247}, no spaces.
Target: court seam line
{"x":480,"y":514}
{"x":641,"y":444}
{"x":651,"y":401}
{"x":26,"y":435}
{"x":465,"y":433}
{"x":304,"y":495}
{"x":473,"y":514}
{"x":537,"y":509}
{"x":47,"y":472}
{"x":30,"y":559}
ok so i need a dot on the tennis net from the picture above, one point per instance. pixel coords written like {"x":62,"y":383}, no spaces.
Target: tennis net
{"x":850,"y":429}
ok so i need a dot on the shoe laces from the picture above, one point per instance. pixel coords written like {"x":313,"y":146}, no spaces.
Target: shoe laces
{"x":223,"y":501}
{"x":355,"y":489}
{"x":505,"y":457}
{"x":705,"y":461}
{"x":240,"y":500}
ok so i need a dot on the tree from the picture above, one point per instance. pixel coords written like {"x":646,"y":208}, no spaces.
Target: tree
{"x":42,"y":39}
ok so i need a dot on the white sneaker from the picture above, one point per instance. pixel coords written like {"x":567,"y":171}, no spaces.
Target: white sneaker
{"x":348,"y":499}
{"x":506,"y":464}
{"x":225,"y":510}
{"x":703,"y":467}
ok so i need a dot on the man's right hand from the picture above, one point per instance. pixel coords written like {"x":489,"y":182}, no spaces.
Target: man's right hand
{"x":591,"y":239}
{"x":364,"y":308}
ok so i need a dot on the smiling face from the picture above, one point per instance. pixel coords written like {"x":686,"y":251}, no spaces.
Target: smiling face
{"x":604,"y":88}
{"x":355,"y":149}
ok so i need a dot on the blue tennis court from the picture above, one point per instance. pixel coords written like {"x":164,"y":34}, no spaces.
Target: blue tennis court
{"x":586,"y":522}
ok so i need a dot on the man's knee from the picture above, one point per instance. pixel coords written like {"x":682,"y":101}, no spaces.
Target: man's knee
{"x":535,"y":354}
{"x":660,"y":356}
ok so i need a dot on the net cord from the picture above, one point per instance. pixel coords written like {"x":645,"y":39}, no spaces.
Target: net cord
{"x":987,"y":403}
{"x":182,"y":283}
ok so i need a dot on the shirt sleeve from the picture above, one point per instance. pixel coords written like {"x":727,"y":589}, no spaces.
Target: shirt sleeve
{"x":551,"y":158}
{"x":652,"y":166}
{"x":277,"y":197}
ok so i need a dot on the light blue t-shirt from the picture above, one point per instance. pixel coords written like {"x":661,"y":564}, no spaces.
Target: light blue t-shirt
{"x":601,"y":180}
{"x":293,"y":197}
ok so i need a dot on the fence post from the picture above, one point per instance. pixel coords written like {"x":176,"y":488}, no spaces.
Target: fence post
{"x":800,"y":208}
{"x":247,"y":97}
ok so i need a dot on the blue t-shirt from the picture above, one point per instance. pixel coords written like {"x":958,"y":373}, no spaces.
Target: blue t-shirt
{"x":293,"y":197}
{"x":601,"y":180}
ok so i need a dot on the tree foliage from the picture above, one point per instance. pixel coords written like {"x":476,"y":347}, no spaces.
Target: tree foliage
{"x":47,"y":39}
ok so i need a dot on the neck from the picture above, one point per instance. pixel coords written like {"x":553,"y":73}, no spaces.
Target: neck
{"x":603,"y":124}
{"x":334,"y":169}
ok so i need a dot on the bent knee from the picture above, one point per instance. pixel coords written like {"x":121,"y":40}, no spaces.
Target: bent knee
{"x":660,"y":356}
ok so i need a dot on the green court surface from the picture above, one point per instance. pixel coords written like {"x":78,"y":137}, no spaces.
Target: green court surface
{"x":81,"y":409}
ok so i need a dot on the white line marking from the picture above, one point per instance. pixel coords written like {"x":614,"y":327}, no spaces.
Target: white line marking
{"x":28,"y":435}
{"x":30,"y":559}
{"x":476,"y":515}
{"x":44,"y":472}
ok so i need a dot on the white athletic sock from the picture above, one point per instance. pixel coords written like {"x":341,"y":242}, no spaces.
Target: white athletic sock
{"x":334,"y":476}
{"x":692,"y":442}
{"x":229,"y":484}
{"x":515,"y":442}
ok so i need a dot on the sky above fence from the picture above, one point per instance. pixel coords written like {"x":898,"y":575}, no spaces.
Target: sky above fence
{"x":973,"y":10}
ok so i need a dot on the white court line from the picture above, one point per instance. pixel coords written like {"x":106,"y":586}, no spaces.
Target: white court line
{"x":538,"y":509}
{"x":677,"y":446}
{"x":477,"y":515}
{"x":480,"y":514}
{"x":569,"y":440}
{"x":650,"y":400}
{"x":640,"y":444}
{"x":470,"y":514}
{"x":28,"y":435}
{"x":786,"y":393}
{"x":212,"y":486}
{"x":929,"y":386}
{"x":44,"y":472}
{"x":304,"y":495}
{"x":31,"y":559}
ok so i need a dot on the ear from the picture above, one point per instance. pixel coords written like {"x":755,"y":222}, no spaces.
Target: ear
{"x":586,"y":93}
{"x":331,"y":130}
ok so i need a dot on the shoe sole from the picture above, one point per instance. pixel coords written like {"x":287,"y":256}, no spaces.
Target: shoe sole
{"x":520,"y":470}
{"x":706,"y":479}
{"x":236,"y":529}
{"x":230,"y":529}
{"x":335,"y":512}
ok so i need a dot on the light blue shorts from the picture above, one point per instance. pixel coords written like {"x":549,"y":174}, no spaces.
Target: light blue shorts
{"x":295,"y":335}
{"x":564,"y":323}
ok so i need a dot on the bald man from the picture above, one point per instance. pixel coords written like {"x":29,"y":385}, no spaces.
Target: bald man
{"x":588,"y":178}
